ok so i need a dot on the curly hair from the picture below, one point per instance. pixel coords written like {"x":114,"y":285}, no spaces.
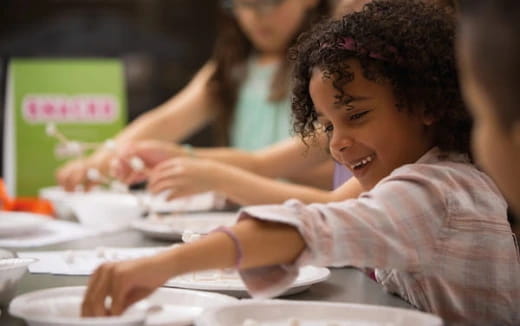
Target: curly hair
{"x":408,"y":43}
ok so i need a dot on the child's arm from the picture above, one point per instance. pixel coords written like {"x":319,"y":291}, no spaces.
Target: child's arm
{"x":385,"y":228}
{"x":285,"y":159}
{"x":259,"y":244}
{"x":186,"y":176}
{"x":174,"y":120}
{"x":290,"y":159}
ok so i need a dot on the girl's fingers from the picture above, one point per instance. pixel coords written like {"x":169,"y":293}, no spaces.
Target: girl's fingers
{"x":125,"y":298}
{"x":119,"y":289}
{"x":98,"y":289}
{"x":166,"y":184}
{"x":169,"y":170}
{"x":75,"y":177}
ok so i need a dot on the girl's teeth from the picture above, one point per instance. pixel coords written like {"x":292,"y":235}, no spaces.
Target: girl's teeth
{"x":362,"y":162}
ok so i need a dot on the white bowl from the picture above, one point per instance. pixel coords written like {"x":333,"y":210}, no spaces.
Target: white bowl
{"x":306,"y":313}
{"x":61,"y":201}
{"x":61,"y":307}
{"x":11,"y":272}
{"x":105,"y":211}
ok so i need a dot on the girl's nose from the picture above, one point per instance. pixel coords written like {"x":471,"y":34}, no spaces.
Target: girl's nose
{"x":340,"y":142}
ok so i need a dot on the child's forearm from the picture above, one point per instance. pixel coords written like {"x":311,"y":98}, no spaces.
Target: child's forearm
{"x":262,"y":244}
{"x":290,"y":158}
{"x":246,"y":188}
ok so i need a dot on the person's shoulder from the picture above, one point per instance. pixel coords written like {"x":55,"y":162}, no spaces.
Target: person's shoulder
{"x":450,"y":172}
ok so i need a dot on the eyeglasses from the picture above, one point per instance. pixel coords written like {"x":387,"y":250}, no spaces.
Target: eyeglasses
{"x":261,"y":6}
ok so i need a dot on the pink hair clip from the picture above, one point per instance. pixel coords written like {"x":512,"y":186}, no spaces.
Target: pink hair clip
{"x":350,"y":44}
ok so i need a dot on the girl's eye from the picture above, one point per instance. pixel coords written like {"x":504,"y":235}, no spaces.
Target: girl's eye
{"x":328,"y":128}
{"x":357,"y":116}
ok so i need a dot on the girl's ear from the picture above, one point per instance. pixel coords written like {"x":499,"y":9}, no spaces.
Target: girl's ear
{"x":427,"y":118}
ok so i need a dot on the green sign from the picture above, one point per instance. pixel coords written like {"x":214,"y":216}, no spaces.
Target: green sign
{"x":83,"y":98}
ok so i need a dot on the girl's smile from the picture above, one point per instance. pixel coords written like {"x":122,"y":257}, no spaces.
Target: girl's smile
{"x":368,"y":134}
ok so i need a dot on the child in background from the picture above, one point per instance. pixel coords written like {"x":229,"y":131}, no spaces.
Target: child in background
{"x":243,"y":88}
{"x":489,"y":58}
{"x":430,"y":223}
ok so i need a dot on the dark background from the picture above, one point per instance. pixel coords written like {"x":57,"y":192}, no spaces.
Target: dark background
{"x":161,"y":42}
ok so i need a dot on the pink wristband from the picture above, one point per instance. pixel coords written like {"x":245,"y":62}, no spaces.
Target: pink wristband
{"x":238,"y":246}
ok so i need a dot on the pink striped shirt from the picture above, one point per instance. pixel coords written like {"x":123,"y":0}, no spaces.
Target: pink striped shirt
{"x":436,"y":232}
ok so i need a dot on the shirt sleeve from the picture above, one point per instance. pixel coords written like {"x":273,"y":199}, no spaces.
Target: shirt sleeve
{"x":385,"y":228}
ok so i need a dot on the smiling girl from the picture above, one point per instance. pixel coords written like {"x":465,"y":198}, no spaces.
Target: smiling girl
{"x":382,"y":83}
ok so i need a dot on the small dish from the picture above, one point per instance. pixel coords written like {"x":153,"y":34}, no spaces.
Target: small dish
{"x":11,"y":272}
{"x":104,"y":211}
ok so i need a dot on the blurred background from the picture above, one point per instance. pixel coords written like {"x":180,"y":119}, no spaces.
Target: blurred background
{"x":162,"y":43}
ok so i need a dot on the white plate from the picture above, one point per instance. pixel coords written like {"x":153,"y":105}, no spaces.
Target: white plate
{"x":230,"y":283}
{"x":194,"y":203}
{"x":16,"y":223}
{"x":60,"y":306}
{"x":301,"y":313}
{"x":172,"y":227}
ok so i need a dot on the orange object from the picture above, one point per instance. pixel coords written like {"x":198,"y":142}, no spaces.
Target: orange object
{"x":24,"y":204}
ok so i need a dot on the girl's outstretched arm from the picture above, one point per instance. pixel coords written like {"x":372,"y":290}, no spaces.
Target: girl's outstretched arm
{"x":259,"y":244}
{"x":174,"y":120}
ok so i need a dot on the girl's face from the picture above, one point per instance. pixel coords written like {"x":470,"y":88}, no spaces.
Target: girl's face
{"x":495,"y":148}
{"x":271,"y":24}
{"x":369,"y":136}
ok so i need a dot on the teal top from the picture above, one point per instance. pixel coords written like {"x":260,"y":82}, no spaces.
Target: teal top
{"x":258,"y":122}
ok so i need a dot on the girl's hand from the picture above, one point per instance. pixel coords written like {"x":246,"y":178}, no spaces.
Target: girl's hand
{"x":125,"y":283}
{"x":185,"y":176}
{"x":152,"y":152}
{"x":74,"y":173}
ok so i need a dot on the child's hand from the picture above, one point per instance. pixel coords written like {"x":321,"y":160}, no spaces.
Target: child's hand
{"x":124,"y":282}
{"x":185,"y":176}
{"x":74,"y":173}
{"x":151,"y":152}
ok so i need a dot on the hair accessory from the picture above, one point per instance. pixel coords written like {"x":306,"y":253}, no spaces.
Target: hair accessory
{"x":350,"y":44}
{"x":238,"y":246}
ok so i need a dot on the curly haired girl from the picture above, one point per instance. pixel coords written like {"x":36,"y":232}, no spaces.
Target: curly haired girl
{"x":382,"y":84}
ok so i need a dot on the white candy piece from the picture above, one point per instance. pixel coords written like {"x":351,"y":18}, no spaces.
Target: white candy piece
{"x":136,"y":163}
{"x":93,"y":174}
{"x":110,"y":145}
{"x":190,"y":236}
{"x":70,"y":257}
{"x":73,"y":148}
{"x":118,"y":186}
{"x":101,"y":252}
{"x":50,"y":129}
